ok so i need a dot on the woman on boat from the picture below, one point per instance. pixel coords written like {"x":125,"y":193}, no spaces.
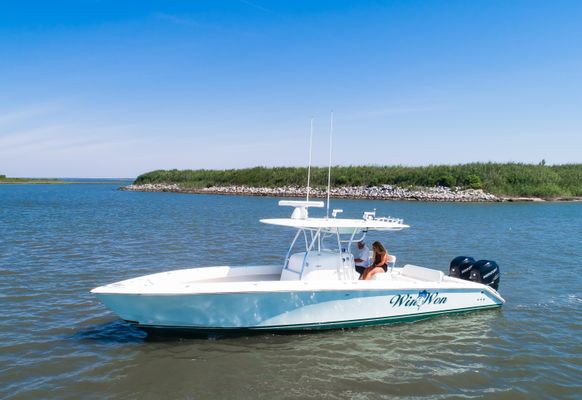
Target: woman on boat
{"x":380,"y":262}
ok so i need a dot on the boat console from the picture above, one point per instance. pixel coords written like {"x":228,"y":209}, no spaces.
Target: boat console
{"x":318,"y":265}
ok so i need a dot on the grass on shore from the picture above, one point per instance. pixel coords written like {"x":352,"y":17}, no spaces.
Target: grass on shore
{"x":4,"y":179}
{"x":508,"y":179}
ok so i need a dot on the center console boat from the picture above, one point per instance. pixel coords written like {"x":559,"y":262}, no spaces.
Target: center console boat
{"x":315,"y":287}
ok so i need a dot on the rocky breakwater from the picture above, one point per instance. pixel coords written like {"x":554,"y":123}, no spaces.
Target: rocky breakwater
{"x":153,"y":187}
{"x":384,"y":192}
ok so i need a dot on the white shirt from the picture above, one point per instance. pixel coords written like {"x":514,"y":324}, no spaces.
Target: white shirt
{"x":363,"y":254}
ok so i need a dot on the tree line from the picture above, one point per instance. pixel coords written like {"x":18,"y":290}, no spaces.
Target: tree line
{"x":510,"y":179}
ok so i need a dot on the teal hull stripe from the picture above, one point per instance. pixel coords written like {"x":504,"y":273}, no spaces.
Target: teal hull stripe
{"x":327,"y":325}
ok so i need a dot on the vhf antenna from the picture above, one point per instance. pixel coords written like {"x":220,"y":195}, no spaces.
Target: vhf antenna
{"x":309,"y":165}
{"x":329,"y":167}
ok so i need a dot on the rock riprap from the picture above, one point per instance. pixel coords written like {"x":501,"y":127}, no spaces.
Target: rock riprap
{"x":384,"y":192}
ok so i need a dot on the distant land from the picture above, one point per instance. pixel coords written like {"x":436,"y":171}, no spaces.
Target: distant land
{"x":505,"y":181}
{"x":5,"y":179}
{"x":61,"y":181}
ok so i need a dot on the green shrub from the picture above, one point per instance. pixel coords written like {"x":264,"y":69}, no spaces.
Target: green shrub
{"x":474,"y":182}
{"x":340,"y":180}
{"x":446,"y":180}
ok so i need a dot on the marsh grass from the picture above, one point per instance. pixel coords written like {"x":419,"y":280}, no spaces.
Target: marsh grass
{"x":509,"y":179}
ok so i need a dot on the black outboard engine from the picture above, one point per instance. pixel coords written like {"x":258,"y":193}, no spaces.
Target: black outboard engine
{"x":486,"y":272}
{"x":461,"y":267}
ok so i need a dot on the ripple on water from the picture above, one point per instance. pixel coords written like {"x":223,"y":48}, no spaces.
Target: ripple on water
{"x":58,"y":341}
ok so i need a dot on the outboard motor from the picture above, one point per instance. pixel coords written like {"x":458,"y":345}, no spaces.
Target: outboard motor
{"x":486,"y":272}
{"x":461,"y":267}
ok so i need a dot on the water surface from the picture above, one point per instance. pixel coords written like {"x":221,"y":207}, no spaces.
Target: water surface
{"x":57,"y":341}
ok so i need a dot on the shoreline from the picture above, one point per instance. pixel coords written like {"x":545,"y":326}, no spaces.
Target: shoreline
{"x":384,"y":192}
{"x":57,"y":182}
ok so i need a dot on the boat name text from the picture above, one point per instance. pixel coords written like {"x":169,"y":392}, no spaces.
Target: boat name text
{"x":424,"y":297}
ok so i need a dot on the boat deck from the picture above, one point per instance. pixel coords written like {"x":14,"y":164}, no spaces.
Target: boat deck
{"x":258,"y":278}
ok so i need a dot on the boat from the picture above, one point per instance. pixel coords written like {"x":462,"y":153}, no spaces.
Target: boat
{"x":315,"y":286}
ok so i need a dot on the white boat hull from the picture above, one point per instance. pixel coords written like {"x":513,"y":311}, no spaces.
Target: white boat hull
{"x":224,"y":305}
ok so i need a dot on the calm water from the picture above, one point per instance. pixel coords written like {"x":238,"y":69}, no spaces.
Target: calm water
{"x":57,"y":341}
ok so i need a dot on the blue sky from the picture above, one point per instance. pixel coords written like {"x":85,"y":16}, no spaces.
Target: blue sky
{"x":115,"y":89}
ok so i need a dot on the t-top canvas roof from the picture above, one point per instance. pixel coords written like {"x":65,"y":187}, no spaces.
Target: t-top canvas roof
{"x":300,"y":219}
{"x":380,"y":224}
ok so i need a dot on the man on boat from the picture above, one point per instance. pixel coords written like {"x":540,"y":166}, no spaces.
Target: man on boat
{"x":362,"y":257}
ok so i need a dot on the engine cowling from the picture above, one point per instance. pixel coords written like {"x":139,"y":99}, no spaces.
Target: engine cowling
{"x":486,"y":272}
{"x":461,"y":267}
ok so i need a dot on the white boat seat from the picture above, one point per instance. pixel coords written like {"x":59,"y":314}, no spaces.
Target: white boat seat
{"x":391,"y":262}
{"x":381,"y":276}
{"x":421,"y":273}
